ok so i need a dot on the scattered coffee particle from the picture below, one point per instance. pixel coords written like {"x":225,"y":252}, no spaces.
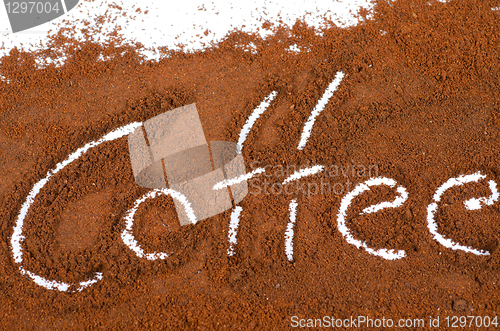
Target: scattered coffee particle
{"x":459,"y":304}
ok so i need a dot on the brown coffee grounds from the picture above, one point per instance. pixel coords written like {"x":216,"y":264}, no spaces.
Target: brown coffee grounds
{"x":419,"y":101}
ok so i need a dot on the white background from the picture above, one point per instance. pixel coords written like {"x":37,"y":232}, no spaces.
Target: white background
{"x":185,"y":20}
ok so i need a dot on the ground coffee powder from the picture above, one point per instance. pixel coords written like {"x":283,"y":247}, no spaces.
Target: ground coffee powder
{"x":418,"y":103}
